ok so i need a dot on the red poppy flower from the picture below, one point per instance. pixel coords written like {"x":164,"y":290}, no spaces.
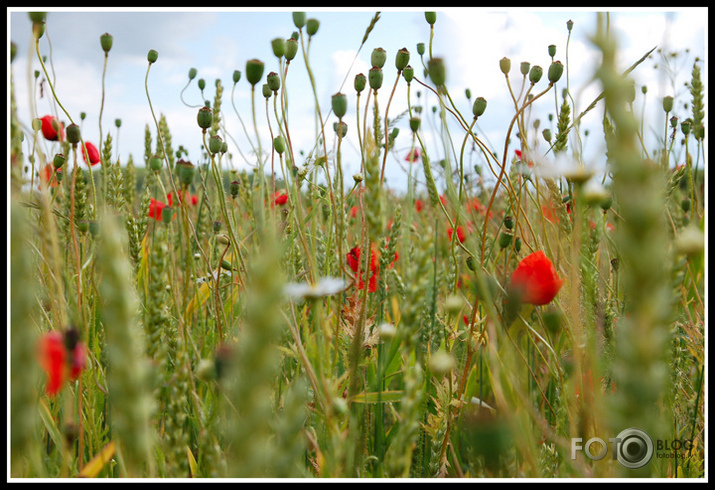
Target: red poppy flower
{"x":354,"y":211}
{"x":59,"y":364}
{"x":518,"y":156}
{"x":193,"y":200}
{"x":353,"y":259}
{"x":549,"y":213}
{"x":418,"y":205}
{"x":92,"y":152}
{"x":413,"y":156}
{"x":461,"y":235}
{"x":47,"y":174}
{"x":280,"y":198}
{"x":52,"y":129}
{"x":535,"y":280}
{"x":155,"y":209}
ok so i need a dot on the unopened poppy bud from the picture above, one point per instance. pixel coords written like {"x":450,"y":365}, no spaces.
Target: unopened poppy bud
{"x":375,"y":77}
{"x":233,"y":188}
{"x":254,"y":71}
{"x":340,"y":128}
{"x":340,"y":104}
{"x":83,"y":226}
{"x":311,"y":26}
{"x":360,"y":81}
{"x":408,"y":73}
{"x":505,"y":239}
{"x":471,"y":263}
{"x":226,"y":265}
{"x":552,"y":50}
{"x":274,"y":81}
{"x":215,"y":143}
{"x":606,"y":202}
{"x":204,"y":117}
{"x":517,"y":244}
{"x":266,"y":90}
{"x":480,"y":105}
{"x":402,"y":58}
{"x":299,"y":19}
{"x":202,"y":84}
{"x":106,"y":41}
{"x":667,"y":103}
{"x":420,"y":48}
{"x":291,"y":48}
{"x":155,"y":163}
{"x":378,"y":57}
{"x":279,"y":144}
{"x":279,"y":46}
{"x":59,"y":160}
{"x":223,"y":239}
{"x":73,"y":134}
{"x":547,"y":135}
{"x":524,"y":67}
{"x":505,"y":65}
{"x":236,"y":76}
{"x":152,"y":56}
{"x":415,"y":124}
{"x":437,"y":71}
{"x":431,"y":17}
{"x":535,"y":74}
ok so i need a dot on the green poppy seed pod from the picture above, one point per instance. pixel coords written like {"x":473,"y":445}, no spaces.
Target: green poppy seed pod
{"x":505,"y":239}
{"x":279,"y":46}
{"x":266,"y":90}
{"x":192,"y":73}
{"x":233,"y":188}
{"x":59,"y":160}
{"x":82,"y":115}
{"x":437,"y":71}
{"x":375,"y":77}
{"x":508,"y":222}
{"x":73,"y":134}
{"x":254,"y":71}
{"x":552,"y":50}
{"x":606,"y":202}
{"x":555,"y":71}
{"x":685,"y":205}
{"x":279,"y":144}
{"x":201,"y":83}
{"x":226,"y":265}
{"x":569,"y":25}
{"x":38,"y":29}
{"x":674,"y":122}
{"x":274,"y":81}
{"x":204,"y":117}
{"x":546,"y":133}
{"x":408,"y":73}
{"x":291,"y":48}
{"x":505,"y":65}
{"x":340,"y":128}
{"x":471,"y":264}
{"x":236,"y":76}
{"x":517,"y":244}
{"x":152,"y":56}
{"x":431,"y":17}
{"x":360,"y":82}
{"x":685,"y":127}
{"x":118,"y":123}
{"x":415,"y":124}
{"x":644,"y":89}
{"x":468,"y":93}
{"x":524,"y":67}
{"x":155,"y":163}
{"x":420,"y":48}
{"x":37,"y":16}
{"x":215,"y":143}
{"x":340,"y":104}
{"x":185,"y":171}
{"x":36,"y":124}
{"x":224,"y":147}
{"x":106,"y":42}
{"x":480,"y":105}
{"x":535,"y":74}
{"x":667,"y":103}
{"x":167,"y":214}
{"x":402,"y":58}
{"x":299,"y":19}
{"x":378,"y":57}
{"x":311,"y":26}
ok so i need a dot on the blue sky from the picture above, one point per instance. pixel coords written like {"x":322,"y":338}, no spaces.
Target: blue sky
{"x":217,"y":42}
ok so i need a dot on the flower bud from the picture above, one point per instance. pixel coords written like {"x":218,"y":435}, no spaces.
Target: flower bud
{"x":360,"y":81}
{"x":118,"y":123}
{"x":569,"y":25}
{"x":378,"y":57}
{"x":480,"y":105}
{"x":340,"y":104}
{"x":279,"y":46}
{"x":535,"y":74}
{"x":517,"y":244}
{"x":204,"y":117}
{"x":312,"y":26}
{"x":552,"y":50}
{"x":73,"y":134}
{"x":274,"y":81}
{"x":357,"y":178}
{"x":420,"y":48}
{"x":279,"y":144}
{"x":155,"y":163}
{"x":152,"y":56}
{"x":415,"y":124}
{"x":402,"y":58}
{"x":291,"y":48}
{"x":505,"y":65}
{"x":254,"y":71}
{"x":215,"y":143}
{"x":524,"y":67}
{"x":431,"y":17}
{"x":408,"y":73}
{"x":375,"y":77}
{"x":106,"y":41}
{"x":36,"y":124}
{"x":38,"y":29}
{"x":299,"y":19}
{"x":236,"y":76}
{"x":202,"y":84}
{"x":437,"y":71}
{"x":59,"y":160}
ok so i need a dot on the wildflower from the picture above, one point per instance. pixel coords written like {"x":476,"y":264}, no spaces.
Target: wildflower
{"x":418,"y":205}
{"x":92,"y":152}
{"x":549,"y":213}
{"x":48,"y":175}
{"x":280,"y":198}
{"x":354,"y":211}
{"x":155,"y":209}
{"x":535,"y":280}
{"x":52,"y":129}
{"x":192,"y":199}
{"x":518,"y":154}
{"x":63,"y":357}
{"x":460,"y":234}
{"x":413,"y":156}
{"x":353,"y":259}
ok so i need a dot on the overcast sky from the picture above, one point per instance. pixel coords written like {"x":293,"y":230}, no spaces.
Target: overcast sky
{"x":217,"y":42}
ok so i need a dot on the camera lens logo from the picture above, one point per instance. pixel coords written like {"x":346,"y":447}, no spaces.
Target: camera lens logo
{"x":635,"y":449}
